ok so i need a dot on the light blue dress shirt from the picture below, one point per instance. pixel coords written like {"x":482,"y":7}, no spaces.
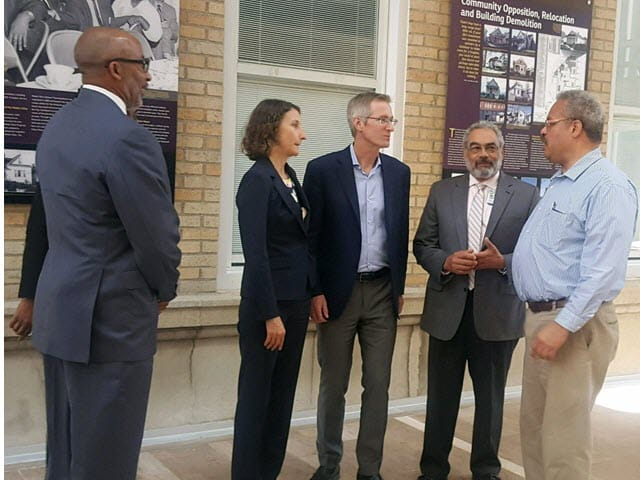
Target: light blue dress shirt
{"x":370,"y":190}
{"x":576,"y":242}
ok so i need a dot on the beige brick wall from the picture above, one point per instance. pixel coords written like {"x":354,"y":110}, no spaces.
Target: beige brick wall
{"x":200,"y":131}
{"x":426,"y":98}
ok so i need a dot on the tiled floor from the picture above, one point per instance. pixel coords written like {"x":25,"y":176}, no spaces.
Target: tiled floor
{"x":616,"y":451}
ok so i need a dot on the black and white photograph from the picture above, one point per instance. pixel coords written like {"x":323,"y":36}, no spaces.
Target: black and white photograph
{"x":20,"y":171}
{"x":518,"y":115}
{"x":495,"y":37}
{"x":522,"y":66}
{"x":493,"y":88}
{"x":558,"y":69}
{"x":492,"y":111}
{"x":495,"y":62}
{"x":40,"y":36}
{"x":520,"y":91}
{"x":523,"y":41}
{"x":574,"y":39}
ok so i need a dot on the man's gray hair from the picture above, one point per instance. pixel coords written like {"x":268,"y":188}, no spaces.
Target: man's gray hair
{"x":584,"y":106}
{"x":484,"y":125}
{"x":360,"y":106}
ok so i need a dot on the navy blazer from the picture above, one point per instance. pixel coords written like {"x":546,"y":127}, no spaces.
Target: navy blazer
{"x":278,"y":264}
{"x":335,"y":236}
{"x":112,"y":231}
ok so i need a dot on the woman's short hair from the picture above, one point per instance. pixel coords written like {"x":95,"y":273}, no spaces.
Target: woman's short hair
{"x":262,"y":127}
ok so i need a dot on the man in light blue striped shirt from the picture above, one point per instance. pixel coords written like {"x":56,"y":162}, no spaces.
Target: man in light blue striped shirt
{"x":569,"y":265}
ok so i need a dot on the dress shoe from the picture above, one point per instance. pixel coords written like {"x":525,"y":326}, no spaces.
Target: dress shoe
{"x":491,"y":476}
{"x":326,"y":473}
{"x":377,"y":476}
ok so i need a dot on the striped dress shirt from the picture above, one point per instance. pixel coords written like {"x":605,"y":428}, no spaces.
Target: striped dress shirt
{"x":576,"y":242}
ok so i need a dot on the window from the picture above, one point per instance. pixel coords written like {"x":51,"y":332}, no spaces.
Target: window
{"x":624,"y":131}
{"x":316,"y":54}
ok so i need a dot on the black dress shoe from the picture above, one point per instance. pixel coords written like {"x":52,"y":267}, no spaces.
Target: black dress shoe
{"x":326,"y":473}
{"x":490,"y":476}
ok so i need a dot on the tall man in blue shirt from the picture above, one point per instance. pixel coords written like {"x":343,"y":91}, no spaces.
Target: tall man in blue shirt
{"x":569,"y":265}
{"x":359,"y":234}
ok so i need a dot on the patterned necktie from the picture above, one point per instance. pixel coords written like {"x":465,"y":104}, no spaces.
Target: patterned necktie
{"x":475,"y":220}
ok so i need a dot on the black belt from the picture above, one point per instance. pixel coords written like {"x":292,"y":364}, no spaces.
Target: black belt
{"x":370,"y":276}
{"x":549,"y":306}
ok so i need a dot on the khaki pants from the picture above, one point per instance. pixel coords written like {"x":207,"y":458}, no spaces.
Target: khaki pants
{"x":558,"y":395}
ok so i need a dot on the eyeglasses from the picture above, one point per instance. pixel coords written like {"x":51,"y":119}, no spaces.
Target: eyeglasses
{"x":384,"y":121}
{"x":491,"y":148}
{"x":550,"y":123}
{"x":145,"y":62}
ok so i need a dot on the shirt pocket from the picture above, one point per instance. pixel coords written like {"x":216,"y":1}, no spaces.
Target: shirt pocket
{"x":556,"y":226}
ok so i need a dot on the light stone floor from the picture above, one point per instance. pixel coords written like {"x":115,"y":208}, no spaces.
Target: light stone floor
{"x":616,"y":450}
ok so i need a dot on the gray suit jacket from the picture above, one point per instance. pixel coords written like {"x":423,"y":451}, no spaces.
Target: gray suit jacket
{"x":113,"y":235}
{"x":498,"y":313}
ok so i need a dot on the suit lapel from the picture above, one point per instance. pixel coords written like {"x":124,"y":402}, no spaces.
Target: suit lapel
{"x":347,"y":180}
{"x":388,"y":187}
{"x":503,"y":196}
{"x":302,"y":200}
{"x":459,"y":199}
{"x":283,"y":191}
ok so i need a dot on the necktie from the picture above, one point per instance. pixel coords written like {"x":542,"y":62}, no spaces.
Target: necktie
{"x":475,"y":220}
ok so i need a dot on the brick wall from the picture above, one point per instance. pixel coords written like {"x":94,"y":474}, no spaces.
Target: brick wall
{"x":426,"y":99}
{"x":200,"y":131}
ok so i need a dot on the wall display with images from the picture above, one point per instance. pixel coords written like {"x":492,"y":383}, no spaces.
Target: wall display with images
{"x":508,"y":62}
{"x":40,"y":77}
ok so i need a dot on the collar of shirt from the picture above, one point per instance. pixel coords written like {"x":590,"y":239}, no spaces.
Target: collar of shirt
{"x":355,"y":162}
{"x":492,"y":182}
{"x":580,"y":166}
{"x":114,"y":98}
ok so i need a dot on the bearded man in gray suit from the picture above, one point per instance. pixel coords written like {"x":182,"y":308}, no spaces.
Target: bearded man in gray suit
{"x":467,"y":233}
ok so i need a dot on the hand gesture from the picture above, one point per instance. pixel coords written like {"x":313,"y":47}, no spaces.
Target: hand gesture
{"x":461,"y":262}
{"x":19,"y":29}
{"x":22,"y":318}
{"x":548,"y":341}
{"x":489,"y":258}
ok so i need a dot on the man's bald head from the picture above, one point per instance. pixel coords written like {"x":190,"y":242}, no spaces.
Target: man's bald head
{"x":97,"y":45}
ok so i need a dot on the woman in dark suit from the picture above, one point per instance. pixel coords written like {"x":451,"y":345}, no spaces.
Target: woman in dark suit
{"x":274,"y":309}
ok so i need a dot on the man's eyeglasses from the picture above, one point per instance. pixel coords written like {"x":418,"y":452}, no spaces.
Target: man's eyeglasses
{"x":145,"y":62}
{"x":490,"y":148}
{"x":550,"y":123}
{"x":384,"y":121}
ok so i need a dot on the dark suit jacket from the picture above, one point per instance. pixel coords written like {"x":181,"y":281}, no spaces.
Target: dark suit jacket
{"x":278,"y":265}
{"x":498,"y":313}
{"x":112,"y":231}
{"x":335,"y":234}
{"x":35,"y":248}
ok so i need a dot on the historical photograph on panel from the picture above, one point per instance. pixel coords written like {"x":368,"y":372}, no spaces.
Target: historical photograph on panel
{"x":40,"y":36}
{"x":494,"y":62}
{"x":492,"y":111}
{"x":20,"y":171}
{"x":493,"y":88}
{"x":518,"y":115}
{"x":523,"y":41}
{"x":522,"y":66}
{"x":520,"y":91}
{"x":561,"y":65}
{"x":495,"y":37}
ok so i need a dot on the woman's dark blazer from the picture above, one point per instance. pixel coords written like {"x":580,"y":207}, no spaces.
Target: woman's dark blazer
{"x":277,"y":264}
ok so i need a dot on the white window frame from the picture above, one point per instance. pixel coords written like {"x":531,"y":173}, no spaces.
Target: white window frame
{"x":621,"y":113}
{"x":391,"y":79}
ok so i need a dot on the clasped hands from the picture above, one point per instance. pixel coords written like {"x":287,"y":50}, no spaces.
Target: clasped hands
{"x":464,"y":262}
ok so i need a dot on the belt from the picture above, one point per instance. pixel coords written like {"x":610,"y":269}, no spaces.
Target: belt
{"x":363,"y":277}
{"x":549,"y":306}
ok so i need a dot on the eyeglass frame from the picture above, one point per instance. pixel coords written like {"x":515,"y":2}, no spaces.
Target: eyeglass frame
{"x":145,"y":62}
{"x":550,"y":123}
{"x":384,"y":121}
